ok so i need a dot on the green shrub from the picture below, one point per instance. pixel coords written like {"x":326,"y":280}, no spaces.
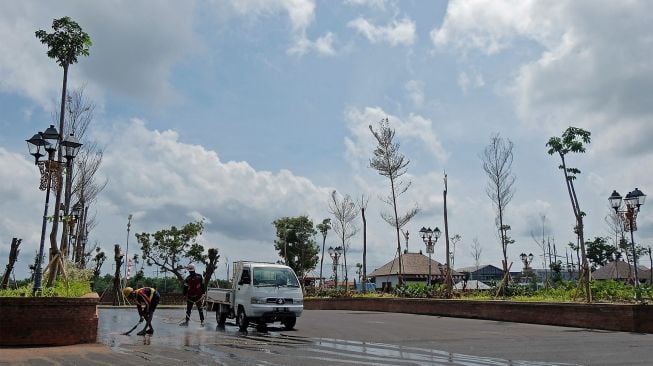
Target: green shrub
{"x":75,"y":288}
{"x":419,"y":290}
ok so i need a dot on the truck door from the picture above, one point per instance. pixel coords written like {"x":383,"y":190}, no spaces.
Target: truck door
{"x":243,"y":288}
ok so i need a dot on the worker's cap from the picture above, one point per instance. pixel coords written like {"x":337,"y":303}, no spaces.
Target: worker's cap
{"x":191,"y":267}
{"x":127,"y":291}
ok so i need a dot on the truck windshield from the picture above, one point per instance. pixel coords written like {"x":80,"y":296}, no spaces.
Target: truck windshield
{"x":274,"y":276}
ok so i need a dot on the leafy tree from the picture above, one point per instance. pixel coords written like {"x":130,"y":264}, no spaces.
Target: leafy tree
{"x":600,"y":252}
{"x":344,"y":212}
{"x":556,"y":271}
{"x":497,"y":163}
{"x":99,"y":259}
{"x":172,"y":249}
{"x":573,"y":140}
{"x":296,"y":244}
{"x":390,"y":163}
{"x":324,"y":228}
{"x":65,"y":44}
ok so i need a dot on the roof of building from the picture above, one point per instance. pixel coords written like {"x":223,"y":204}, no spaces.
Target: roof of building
{"x":471,"y":269}
{"x":413,"y":264}
{"x":617,"y":270}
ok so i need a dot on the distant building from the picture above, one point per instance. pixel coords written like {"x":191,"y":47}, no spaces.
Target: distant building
{"x":622,"y":271}
{"x":472,"y":285}
{"x":415,"y":270}
{"x":484,"y":273}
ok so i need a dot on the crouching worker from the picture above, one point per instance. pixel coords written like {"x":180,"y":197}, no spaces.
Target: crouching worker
{"x":146,"y":298}
{"x":194,"y":293}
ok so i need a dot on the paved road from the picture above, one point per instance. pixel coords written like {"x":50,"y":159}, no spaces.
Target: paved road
{"x":344,"y":338}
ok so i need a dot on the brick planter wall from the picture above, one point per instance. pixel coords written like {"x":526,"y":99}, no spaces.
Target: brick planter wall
{"x":169,"y":298}
{"x":627,"y":318}
{"x":47,"y":321}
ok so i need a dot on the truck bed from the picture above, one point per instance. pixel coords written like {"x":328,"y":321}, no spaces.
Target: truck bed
{"x":219,"y":295}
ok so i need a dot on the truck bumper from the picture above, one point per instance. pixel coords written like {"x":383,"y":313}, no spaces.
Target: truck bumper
{"x":275,"y":311}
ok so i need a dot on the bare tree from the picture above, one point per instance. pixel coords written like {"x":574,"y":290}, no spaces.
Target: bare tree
{"x":497,"y":163}
{"x":573,"y":140}
{"x":476,"y":251}
{"x":344,"y":212}
{"x":543,"y":246}
{"x":81,"y":184}
{"x":390,"y":163}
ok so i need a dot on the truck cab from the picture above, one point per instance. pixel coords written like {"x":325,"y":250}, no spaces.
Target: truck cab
{"x":262,"y":293}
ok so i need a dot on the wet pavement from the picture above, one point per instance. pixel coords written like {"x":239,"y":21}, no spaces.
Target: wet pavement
{"x":341,"y":338}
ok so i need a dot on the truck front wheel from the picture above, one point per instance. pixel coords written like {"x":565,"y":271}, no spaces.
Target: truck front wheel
{"x":241,"y":320}
{"x":289,"y":322}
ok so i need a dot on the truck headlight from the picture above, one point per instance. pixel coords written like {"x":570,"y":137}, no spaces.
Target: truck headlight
{"x":299,"y":301}
{"x":259,"y":300}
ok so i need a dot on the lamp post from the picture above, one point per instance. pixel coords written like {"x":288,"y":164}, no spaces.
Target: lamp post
{"x":634,"y":200}
{"x":359,"y":272}
{"x":335,"y":254}
{"x":129,"y":225}
{"x":41,"y":143}
{"x":527,"y":260}
{"x":430,"y":237}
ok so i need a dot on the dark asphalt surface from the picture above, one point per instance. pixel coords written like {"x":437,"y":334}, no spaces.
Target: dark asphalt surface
{"x":342,"y":338}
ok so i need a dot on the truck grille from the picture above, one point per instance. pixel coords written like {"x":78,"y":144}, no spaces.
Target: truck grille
{"x":279,"y":301}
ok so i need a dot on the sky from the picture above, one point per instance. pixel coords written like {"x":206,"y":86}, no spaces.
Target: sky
{"x":242,"y":112}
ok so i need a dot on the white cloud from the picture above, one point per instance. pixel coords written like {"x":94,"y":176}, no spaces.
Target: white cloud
{"x":397,"y":32}
{"x":169,"y":181}
{"x":301,"y":14}
{"x":130,"y":57}
{"x":415,"y":90}
{"x":378,"y":4}
{"x":412,"y":127}
{"x":322,"y":45}
{"x":490,"y":26}
{"x":470,"y":80}
{"x":594,"y":69}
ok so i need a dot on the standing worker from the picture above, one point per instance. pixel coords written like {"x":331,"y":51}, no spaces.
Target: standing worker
{"x":194,"y":293}
{"x":147,"y":298}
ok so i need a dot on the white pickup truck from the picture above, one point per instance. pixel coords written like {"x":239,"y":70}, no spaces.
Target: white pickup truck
{"x":262,"y":293}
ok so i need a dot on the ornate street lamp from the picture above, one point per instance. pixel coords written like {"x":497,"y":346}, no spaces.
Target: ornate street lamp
{"x":430,"y":237}
{"x":527,"y":260}
{"x":39,"y":144}
{"x":335,"y":254}
{"x":633,"y":201}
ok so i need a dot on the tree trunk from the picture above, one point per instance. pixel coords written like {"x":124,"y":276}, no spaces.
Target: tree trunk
{"x":394,"y":206}
{"x":210,"y":266}
{"x":54,"y":249}
{"x":117,"y":293}
{"x":322,"y":259}
{"x":365,"y":251}
{"x":448,"y":280}
{"x":13,"y":257}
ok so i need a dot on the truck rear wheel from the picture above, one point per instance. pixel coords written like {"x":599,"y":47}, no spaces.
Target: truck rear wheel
{"x":289,"y":322}
{"x":241,"y":320}
{"x":221,"y":318}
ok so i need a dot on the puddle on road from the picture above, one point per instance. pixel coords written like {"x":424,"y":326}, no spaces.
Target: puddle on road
{"x":227,"y":345}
